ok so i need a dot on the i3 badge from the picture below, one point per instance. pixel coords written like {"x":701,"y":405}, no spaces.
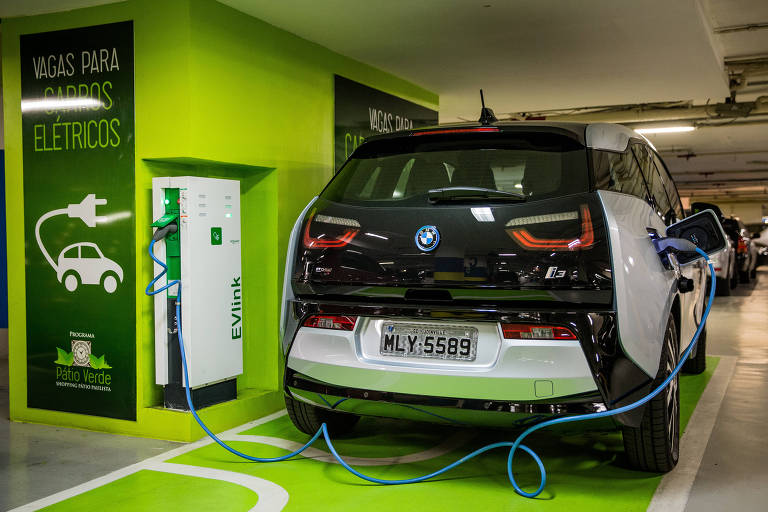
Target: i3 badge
{"x":427,"y":238}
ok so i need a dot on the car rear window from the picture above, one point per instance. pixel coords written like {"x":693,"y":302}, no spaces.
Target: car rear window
{"x":402,"y":171}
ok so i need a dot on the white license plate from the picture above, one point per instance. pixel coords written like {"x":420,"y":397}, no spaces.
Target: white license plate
{"x":433,"y":341}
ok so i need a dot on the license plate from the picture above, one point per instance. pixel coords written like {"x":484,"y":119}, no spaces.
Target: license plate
{"x":432,"y":341}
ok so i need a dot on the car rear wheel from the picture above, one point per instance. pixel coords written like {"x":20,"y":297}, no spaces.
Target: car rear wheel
{"x":698,"y":363}
{"x":723,"y":287}
{"x":71,"y":281}
{"x":753,"y":272}
{"x":744,"y":276}
{"x":655,"y":444}
{"x":308,"y":418}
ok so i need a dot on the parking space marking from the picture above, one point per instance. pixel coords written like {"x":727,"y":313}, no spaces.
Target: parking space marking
{"x":133,"y":468}
{"x":675,"y":488}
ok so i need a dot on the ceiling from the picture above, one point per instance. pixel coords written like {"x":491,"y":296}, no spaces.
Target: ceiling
{"x":550,"y":54}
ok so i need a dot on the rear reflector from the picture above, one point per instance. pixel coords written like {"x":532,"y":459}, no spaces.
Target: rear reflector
{"x":335,"y":322}
{"x":456,"y":130}
{"x":536,"y":332}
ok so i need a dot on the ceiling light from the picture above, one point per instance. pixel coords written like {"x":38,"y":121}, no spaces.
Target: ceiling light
{"x":665,"y":129}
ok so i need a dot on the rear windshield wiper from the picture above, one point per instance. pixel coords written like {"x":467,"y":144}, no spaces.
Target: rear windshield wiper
{"x":437,"y":195}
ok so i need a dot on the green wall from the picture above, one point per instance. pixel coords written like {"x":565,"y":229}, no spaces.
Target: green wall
{"x":221,"y":94}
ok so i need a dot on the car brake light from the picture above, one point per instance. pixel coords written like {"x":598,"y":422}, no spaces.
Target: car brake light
{"x":457,"y":130}
{"x":321,"y":242}
{"x":536,"y":332}
{"x":585,"y":241}
{"x":335,"y":322}
{"x":742,"y":247}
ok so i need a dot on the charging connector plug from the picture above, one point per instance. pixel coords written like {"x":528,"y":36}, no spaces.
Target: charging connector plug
{"x":86,"y":210}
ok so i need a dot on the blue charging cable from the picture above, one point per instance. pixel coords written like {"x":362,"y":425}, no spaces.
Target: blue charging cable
{"x":513,"y":446}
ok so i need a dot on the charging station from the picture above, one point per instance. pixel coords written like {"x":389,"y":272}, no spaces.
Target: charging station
{"x":203,"y":249}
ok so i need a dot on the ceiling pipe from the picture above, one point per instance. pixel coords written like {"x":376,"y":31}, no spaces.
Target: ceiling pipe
{"x":641,"y":114}
{"x":740,"y":28}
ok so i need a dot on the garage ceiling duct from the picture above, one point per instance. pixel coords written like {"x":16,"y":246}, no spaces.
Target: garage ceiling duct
{"x":656,"y":112}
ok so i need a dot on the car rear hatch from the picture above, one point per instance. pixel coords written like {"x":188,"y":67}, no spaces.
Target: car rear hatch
{"x":464,"y":217}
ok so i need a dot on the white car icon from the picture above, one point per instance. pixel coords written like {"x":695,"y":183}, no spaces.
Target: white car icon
{"x":84,"y":263}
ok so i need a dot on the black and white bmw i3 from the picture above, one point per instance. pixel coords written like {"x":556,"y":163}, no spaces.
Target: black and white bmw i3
{"x":492,"y":274}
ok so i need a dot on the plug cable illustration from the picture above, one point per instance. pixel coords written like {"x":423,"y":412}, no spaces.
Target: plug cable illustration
{"x":75,"y":270}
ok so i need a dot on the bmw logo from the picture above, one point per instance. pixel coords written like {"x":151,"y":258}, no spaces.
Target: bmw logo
{"x":427,"y":238}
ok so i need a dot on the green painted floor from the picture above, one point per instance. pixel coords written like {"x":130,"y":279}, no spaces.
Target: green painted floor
{"x":586,"y":471}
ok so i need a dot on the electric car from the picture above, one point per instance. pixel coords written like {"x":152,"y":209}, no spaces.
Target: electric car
{"x":493,"y":273}
{"x":746,"y":256}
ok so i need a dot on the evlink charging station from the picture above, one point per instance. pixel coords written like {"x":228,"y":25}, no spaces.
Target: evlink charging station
{"x":199,"y":221}
{"x":207,"y":359}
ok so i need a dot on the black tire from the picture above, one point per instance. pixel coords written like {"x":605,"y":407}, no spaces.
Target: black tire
{"x":744,"y":276}
{"x":698,"y":363}
{"x":308,"y":418}
{"x":655,"y":445}
{"x":723,"y":287}
{"x":734,"y":282}
{"x":753,"y":273}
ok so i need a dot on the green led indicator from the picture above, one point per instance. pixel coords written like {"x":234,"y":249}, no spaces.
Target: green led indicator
{"x":228,"y":215}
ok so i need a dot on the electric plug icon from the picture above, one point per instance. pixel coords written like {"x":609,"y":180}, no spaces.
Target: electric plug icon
{"x":86,"y":210}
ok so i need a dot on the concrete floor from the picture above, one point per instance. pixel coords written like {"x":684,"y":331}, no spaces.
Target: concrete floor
{"x":38,"y":460}
{"x":734,"y":474}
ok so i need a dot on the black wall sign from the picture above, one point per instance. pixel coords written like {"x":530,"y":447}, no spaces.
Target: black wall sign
{"x":77,"y":116}
{"x":362,"y":111}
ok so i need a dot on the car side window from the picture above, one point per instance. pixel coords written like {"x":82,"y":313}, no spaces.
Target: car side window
{"x":618,"y":172}
{"x":71,"y":253}
{"x":86,"y":251}
{"x":655,"y":186}
{"x":669,"y":186}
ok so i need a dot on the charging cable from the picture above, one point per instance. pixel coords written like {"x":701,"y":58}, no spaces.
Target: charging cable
{"x":513,"y":446}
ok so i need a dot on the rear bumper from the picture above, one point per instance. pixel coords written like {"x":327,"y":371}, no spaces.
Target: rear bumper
{"x":497,"y":413}
{"x":517,"y":376}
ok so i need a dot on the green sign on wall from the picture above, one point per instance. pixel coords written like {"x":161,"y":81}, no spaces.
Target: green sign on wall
{"x":361,"y":111}
{"x":78,"y":145}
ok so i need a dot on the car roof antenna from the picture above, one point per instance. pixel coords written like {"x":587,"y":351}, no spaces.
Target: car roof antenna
{"x":486,"y":114}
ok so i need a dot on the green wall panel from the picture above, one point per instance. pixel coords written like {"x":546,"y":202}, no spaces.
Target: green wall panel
{"x":217,"y":93}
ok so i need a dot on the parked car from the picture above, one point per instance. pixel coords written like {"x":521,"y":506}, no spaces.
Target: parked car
{"x":746,"y":255}
{"x":493,"y":274}
{"x":727,"y":277}
{"x":760,"y":242}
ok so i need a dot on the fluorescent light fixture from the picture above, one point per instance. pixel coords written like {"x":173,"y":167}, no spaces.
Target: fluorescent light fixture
{"x":62,"y":104}
{"x":519,"y":185}
{"x":665,"y":129}
{"x":483,"y":214}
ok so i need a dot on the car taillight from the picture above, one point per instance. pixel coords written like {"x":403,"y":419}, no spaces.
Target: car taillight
{"x":536,"y":332}
{"x":742,"y":247}
{"x":324,"y":240}
{"x":336,"y":322}
{"x":585,"y":241}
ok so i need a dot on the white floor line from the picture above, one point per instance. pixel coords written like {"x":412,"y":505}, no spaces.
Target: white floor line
{"x":133,"y":468}
{"x":675,"y":488}
{"x":443,"y":448}
{"x":272,"y":497}
{"x":671,"y":495}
